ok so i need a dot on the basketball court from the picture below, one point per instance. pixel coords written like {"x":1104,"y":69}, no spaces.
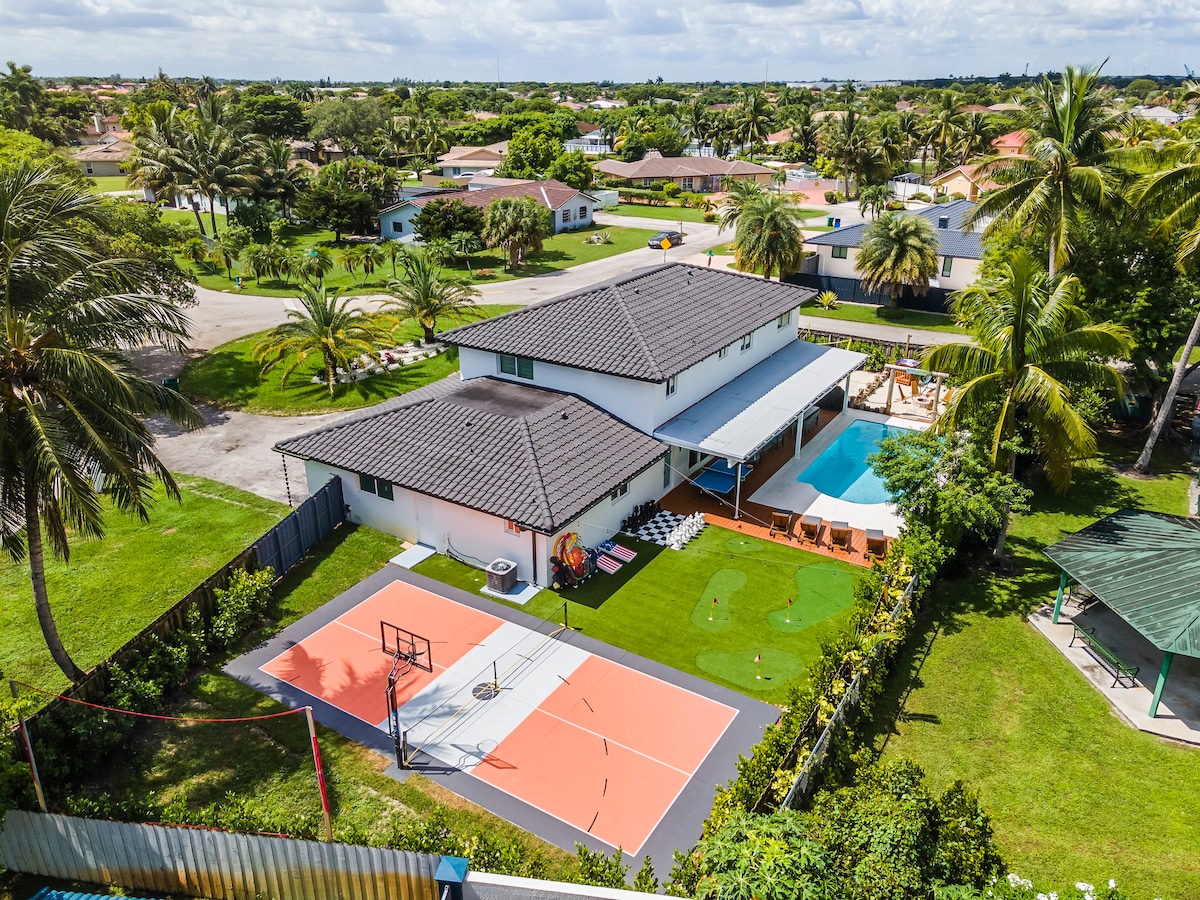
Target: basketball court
{"x":535,"y":715}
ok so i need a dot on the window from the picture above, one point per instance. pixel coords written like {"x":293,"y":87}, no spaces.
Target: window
{"x":722,"y":353}
{"x":946,"y":266}
{"x":398,"y":227}
{"x":839,"y":252}
{"x":566,"y":215}
{"x":383,"y":489}
{"x":747,"y":340}
{"x":512,"y":527}
{"x":645,"y":182}
{"x":621,"y":490}
{"x":366,"y":483}
{"x":687,"y":183}
{"x":88,"y":167}
{"x":582,"y":214}
{"x":516,"y":365}
{"x":784,"y":319}
{"x":667,"y":471}
{"x":371,"y":485}
{"x":672,"y":383}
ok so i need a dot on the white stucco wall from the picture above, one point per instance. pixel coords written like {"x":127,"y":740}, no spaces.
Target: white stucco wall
{"x":574,"y":220}
{"x":962,"y":271}
{"x":604,"y":519}
{"x":403,"y":216}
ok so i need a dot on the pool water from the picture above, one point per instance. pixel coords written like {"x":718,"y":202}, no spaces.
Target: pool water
{"x":841,"y":470}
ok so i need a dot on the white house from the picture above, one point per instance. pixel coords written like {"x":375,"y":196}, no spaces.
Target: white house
{"x":591,"y":144}
{"x":567,"y":414}
{"x":569,"y":208}
{"x":1161,"y":114}
{"x":960,"y":251}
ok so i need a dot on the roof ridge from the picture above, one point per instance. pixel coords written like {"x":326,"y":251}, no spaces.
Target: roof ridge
{"x":353,"y":417}
{"x":539,"y":482}
{"x":621,"y":304}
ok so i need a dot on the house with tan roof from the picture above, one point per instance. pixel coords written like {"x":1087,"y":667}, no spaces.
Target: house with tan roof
{"x":691,"y":173}
{"x":1010,"y":144}
{"x":463,"y":163}
{"x":966,"y":180}
{"x":103,"y":159}
{"x":569,"y":208}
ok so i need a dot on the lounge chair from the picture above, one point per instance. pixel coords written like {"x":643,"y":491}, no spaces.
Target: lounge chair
{"x":876,"y":543}
{"x":839,"y":534}
{"x":781,"y":520}
{"x":810,"y":528}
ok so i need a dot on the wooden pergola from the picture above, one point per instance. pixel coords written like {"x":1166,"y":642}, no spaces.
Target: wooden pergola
{"x":910,"y":368}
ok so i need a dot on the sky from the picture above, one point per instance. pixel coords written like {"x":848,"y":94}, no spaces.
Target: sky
{"x":586,"y":40}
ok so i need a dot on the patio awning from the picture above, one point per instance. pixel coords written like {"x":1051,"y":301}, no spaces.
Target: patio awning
{"x":737,"y":420}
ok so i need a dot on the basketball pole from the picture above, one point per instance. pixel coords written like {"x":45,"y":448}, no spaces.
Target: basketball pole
{"x":33,"y":769}
{"x":312,"y":733}
{"x":404,"y":763}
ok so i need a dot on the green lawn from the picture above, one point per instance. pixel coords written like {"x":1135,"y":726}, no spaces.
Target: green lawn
{"x":228,"y":377}
{"x":659,"y":605}
{"x":112,"y":588}
{"x":561,"y":251}
{"x":1074,"y":793}
{"x":110,"y":182}
{"x":861,"y":312}
{"x":269,"y":764}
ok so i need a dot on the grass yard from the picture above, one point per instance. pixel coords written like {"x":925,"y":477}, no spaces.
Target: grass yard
{"x":1074,"y":794}
{"x":110,"y":182}
{"x":228,"y":377}
{"x":861,"y":312}
{"x":561,"y":251}
{"x":659,"y":605}
{"x":268,"y":765}
{"x":112,"y":588}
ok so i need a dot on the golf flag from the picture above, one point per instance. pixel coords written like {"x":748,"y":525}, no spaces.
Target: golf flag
{"x":714,"y":601}
{"x":758,"y":658}
{"x":789,"y":601}
{"x":758,"y":667}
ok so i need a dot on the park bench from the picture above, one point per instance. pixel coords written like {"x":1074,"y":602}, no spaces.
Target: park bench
{"x":1105,"y":656}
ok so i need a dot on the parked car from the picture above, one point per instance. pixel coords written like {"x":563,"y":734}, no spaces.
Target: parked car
{"x":674,"y":237}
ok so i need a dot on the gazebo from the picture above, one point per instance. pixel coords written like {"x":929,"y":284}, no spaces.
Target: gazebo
{"x":1145,"y":567}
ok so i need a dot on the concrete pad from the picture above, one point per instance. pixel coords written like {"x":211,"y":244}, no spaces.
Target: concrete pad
{"x":417,"y":553}
{"x":520,"y":595}
{"x":1179,"y":710}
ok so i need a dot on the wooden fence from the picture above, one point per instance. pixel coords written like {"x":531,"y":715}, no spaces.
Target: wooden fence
{"x":215,"y":864}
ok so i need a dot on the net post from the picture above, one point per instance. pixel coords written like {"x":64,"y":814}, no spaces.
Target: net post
{"x":404,"y":761}
{"x":312,"y":733}
{"x":566,"y":624}
{"x":33,"y":769}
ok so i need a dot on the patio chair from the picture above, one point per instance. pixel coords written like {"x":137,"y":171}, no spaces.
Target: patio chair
{"x":839,"y":534}
{"x":781,"y":520}
{"x":876,"y":543}
{"x":810,"y":528}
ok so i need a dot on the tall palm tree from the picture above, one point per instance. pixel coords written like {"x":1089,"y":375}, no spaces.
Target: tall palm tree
{"x":73,"y":407}
{"x":1067,"y":166}
{"x":394,"y":250}
{"x":277,"y":178}
{"x":975,"y":135}
{"x":314,"y":264}
{"x":326,"y":328}
{"x":1033,"y":350}
{"x":768,"y":236}
{"x":465,"y":243}
{"x":1173,"y":189}
{"x":944,"y":125}
{"x":898,"y":251}
{"x":426,"y":293}
{"x":517,"y":225}
{"x":752,"y":120}
{"x":738,"y":194}
{"x":848,"y":142}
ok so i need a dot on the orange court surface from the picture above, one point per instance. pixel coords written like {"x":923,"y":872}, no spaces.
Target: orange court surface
{"x":598,"y":745}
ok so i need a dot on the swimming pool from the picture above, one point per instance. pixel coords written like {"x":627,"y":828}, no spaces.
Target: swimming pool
{"x":841,"y":470}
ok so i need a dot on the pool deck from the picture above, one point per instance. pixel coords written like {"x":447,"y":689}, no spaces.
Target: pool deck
{"x":783,"y":491}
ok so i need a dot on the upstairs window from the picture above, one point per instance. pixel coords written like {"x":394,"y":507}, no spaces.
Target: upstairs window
{"x":747,"y":340}
{"x":946,"y":263}
{"x":839,"y":252}
{"x":784,"y":319}
{"x":621,"y":490}
{"x":722,"y":353}
{"x":672,"y":384}
{"x":518,"y":366}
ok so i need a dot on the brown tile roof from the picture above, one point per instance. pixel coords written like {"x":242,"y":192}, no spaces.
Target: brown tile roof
{"x":538,"y":457}
{"x":551,"y":194}
{"x":117,"y":151}
{"x":655,"y":166}
{"x":1012,"y":139}
{"x":647,"y":326}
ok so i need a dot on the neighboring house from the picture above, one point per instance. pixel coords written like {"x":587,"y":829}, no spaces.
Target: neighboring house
{"x":1010,"y":144}
{"x":837,"y":252}
{"x":103,"y":159}
{"x":99,"y":127}
{"x":483,"y":182}
{"x":317,"y":152}
{"x":568,"y":414}
{"x":778,"y":137}
{"x":1160,"y":114}
{"x":591,"y":144}
{"x":691,"y":173}
{"x":966,"y":180}
{"x":463,"y":163}
{"x":570,"y":208}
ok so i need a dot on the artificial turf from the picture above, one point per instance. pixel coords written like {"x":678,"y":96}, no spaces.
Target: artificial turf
{"x":660,"y":606}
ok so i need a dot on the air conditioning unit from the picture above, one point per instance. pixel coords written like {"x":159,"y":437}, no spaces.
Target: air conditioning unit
{"x":501,"y":576}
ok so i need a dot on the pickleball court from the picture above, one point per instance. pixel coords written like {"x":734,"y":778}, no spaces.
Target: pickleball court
{"x":599,"y":745}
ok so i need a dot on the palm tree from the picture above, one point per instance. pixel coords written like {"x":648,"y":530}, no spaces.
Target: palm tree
{"x":874,"y":199}
{"x":1032,"y":351}
{"x":325,"y":328}
{"x":226,"y":252}
{"x":975,"y":135}
{"x":278,"y":180}
{"x":465,"y":243}
{"x":768,"y":236}
{"x":370,"y":258}
{"x":898,"y":251}
{"x":74,"y":407}
{"x":737,"y":195}
{"x":394,"y":250}
{"x":517,"y":225}
{"x":752,"y":120}
{"x":426,"y":293}
{"x":1175,"y":190}
{"x":314,"y":264}
{"x":848,"y":142}
{"x":348,"y":258}
{"x":1066,"y":168}
{"x":195,"y":250}
{"x":943,"y":126}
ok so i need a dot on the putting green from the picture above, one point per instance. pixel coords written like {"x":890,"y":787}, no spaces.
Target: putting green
{"x":722,"y":585}
{"x":738,"y":667}
{"x":822,"y":591}
{"x":778,"y":619}
{"x":743,"y":545}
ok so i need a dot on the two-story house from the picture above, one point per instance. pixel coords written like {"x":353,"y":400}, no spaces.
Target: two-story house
{"x":567,"y":414}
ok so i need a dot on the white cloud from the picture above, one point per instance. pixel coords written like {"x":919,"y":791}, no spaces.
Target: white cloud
{"x":627,"y":40}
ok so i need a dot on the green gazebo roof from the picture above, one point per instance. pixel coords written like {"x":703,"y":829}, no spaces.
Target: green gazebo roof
{"x":1145,"y":567}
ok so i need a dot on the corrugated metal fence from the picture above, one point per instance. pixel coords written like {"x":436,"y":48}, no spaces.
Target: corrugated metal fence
{"x":850,"y":290}
{"x":215,"y":864}
{"x":285,"y":544}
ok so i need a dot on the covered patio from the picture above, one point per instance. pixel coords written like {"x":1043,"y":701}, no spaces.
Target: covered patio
{"x":1128,"y":609}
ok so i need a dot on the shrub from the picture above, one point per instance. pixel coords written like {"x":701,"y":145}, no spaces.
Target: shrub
{"x":831,"y":196}
{"x":710,"y":217}
{"x":241,"y":604}
{"x":920,"y":196}
{"x":485,"y":273}
{"x":600,"y":237}
{"x":941,"y":198}
{"x":827,"y":300}
{"x":671,"y":189}
{"x":894,"y":205}
{"x":658,"y":198}
{"x":958,"y":195}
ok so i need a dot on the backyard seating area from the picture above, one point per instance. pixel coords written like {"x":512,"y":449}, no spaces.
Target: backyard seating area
{"x":369,"y":365}
{"x":1104,"y":655}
